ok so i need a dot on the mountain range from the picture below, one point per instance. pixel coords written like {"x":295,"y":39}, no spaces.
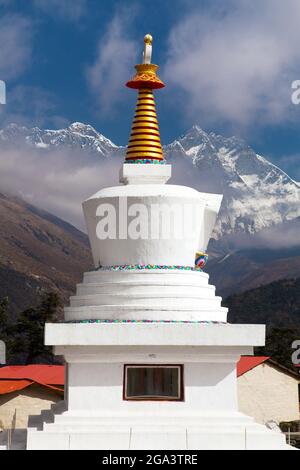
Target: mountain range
{"x":255,"y":241}
{"x":76,"y":137}
{"x":257,"y":194}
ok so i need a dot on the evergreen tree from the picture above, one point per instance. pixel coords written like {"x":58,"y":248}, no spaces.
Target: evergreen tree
{"x":27,"y":335}
{"x":3,"y":315}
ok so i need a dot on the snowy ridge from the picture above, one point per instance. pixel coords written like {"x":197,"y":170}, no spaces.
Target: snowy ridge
{"x":76,"y":136}
{"x":257,"y":194}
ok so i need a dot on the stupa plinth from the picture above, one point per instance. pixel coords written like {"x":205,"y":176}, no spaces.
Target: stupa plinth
{"x":151,"y":359}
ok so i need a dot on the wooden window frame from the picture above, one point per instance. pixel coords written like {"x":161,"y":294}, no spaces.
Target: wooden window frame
{"x":151,"y":366}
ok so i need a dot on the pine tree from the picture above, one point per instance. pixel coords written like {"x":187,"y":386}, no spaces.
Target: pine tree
{"x":28,"y":333}
{"x":3,"y":315}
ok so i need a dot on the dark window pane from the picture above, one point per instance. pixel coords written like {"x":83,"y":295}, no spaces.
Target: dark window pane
{"x":153,"y":382}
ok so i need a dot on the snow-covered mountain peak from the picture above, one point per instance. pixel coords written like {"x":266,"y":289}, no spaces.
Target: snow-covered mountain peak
{"x":87,"y":130}
{"x":78,"y":136}
{"x":257,"y":194}
{"x":194,"y":137}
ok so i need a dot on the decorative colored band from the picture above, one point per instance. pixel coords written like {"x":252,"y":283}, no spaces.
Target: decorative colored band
{"x":131,"y":267}
{"x":147,"y":160}
{"x":201,"y":259}
{"x":145,"y":321}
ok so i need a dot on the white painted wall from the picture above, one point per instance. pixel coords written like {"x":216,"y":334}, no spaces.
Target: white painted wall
{"x":98,"y":388}
{"x":266,"y":393}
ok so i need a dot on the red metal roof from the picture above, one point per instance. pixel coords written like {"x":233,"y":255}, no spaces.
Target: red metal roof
{"x":9,"y":386}
{"x":13,"y":378}
{"x":41,"y":373}
{"x":247,"y":363}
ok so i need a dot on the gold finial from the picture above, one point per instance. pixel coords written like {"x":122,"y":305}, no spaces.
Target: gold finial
{"x":147,"y":54}
{"x":148,"y":39}
{"x":146,"y":72}
{"x":144,"y":143}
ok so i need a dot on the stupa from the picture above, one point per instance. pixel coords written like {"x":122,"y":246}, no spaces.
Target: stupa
{"x":150,"y":356}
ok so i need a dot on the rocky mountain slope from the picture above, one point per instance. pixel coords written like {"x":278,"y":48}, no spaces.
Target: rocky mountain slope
{"x":277,"y":305}
{"x":38,"y":252}
{"x":238,"y":269}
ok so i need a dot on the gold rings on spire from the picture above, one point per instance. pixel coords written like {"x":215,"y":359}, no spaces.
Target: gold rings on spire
{"x":144,"y":141}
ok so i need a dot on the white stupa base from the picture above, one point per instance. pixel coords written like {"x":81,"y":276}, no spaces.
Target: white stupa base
{"x":150,"y":294}
{"x":216,"y":431}
{"x":95,"y":414}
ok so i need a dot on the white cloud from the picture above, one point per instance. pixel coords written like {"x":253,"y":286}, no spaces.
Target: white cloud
{"x":71,"y":10}
{"x":57,"y":181}
{"x":284,"y":235}
{"x":237,"y":65}
{"x":114,"y":62}
{"x":16,"y":45}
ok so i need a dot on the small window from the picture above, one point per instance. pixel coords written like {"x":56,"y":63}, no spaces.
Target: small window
{"x":153,"y":382}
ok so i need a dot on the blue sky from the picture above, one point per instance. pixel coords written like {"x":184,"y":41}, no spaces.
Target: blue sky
{"x":228,"y":67}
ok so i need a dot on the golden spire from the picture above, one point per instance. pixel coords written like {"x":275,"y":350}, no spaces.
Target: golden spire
{"x":144,"y":144}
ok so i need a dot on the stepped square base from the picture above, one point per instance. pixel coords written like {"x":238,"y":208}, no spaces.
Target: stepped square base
{"x":215,"y":432}
{"x":146,"y":294}
{"x":95,"y":414}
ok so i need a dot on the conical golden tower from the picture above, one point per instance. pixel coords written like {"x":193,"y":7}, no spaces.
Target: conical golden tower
{"x":144,"y":144}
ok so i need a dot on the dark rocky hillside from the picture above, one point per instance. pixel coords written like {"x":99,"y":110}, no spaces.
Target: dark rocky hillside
{"x":278,"y":306}
{"x":38,"y":252}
